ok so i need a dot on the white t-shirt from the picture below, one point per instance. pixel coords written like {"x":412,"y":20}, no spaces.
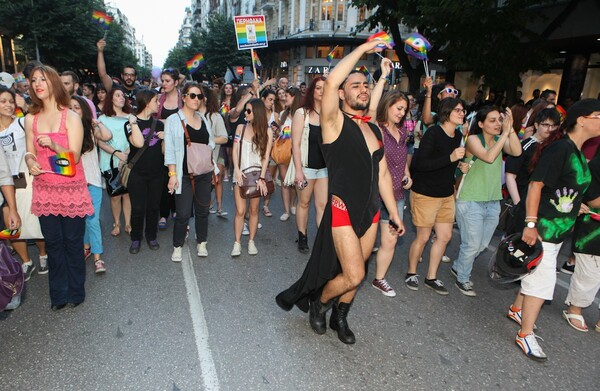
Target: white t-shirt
{"x":13,"y":142}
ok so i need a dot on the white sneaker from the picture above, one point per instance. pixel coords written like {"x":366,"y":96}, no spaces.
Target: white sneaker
{"x":202,"y":251}
{"x":293,"y":210}
{"x":245,"y":231}
{"x":177,"y":254}
{"x":252,"y":250}
{"x":43,"y":264}
{"x":284,"y":217}
{"x":530,"y":346}
{"x":237,"y":249}
{"x":446,"y":259}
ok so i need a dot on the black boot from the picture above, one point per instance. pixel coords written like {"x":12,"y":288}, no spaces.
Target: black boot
{"x":302,"y":243}
{"x":339,"y":323}
{"x":317,"y":313}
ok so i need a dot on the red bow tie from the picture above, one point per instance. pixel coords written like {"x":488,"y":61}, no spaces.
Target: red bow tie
{"x":363,"y":118}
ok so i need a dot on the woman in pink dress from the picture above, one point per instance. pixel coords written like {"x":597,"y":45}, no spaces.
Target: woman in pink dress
{"x":61,"y":202}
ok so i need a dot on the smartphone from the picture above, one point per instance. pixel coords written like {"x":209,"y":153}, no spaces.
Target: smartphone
{"x":274,"y":124}
{"x":405,"y":181}
{"x":393,"y":225}
{"x":302,"y":185}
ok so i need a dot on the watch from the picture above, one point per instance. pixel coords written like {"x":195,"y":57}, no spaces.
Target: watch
{"x":172,"y":173}
{"x":531,"y":224}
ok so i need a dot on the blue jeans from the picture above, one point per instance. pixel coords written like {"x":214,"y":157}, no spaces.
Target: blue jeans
{"x":93,"y":235}
{"x":477,"y":222}
{"x":66,"y":266}
{"x":385,"y":215}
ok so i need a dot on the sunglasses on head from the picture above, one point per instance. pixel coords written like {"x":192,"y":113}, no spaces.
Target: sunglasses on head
{"x":194,"y":96}
{"x":450,"y":91}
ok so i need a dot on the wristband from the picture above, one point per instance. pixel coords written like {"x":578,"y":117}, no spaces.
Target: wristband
{"x":30,"y":153}
{"x":531,"y":218}
{"x":172,"y":173}
{"x":426,"y":96}
{"x":261,"y":179}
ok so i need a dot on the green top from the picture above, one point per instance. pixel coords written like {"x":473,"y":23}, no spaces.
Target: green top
{"x":483,"y":181}
{"x":586,"y":236}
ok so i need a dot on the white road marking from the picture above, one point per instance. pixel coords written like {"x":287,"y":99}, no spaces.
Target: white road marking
{"x":207,"y":365}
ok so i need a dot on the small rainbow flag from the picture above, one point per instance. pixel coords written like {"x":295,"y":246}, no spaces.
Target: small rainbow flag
{"x":417,"y":46}
{"x":331,"y":55}
{"x":62,"y":164}
{"x":195,"y":63}
{"x":10,"y":234}
{"x":382,"y":36}
{"x":256,"y":61}
{"x":103,"y":19}
{"x":563,"y":113}
{"x":364,"y":70}
{"x":19,"y":113}
{"x":286,"y":132}
{"x":224,"y":109}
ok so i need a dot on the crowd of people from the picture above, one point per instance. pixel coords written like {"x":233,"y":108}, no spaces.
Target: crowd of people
{"x":361,"y":153}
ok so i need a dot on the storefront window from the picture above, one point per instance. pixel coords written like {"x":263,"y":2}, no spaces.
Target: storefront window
{"x":310,"y":52}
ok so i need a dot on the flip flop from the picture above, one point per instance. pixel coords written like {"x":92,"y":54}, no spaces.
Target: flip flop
{"x":568,"y":317}
{"x":597,"y":328}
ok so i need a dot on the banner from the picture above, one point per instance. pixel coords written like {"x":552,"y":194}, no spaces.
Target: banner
{"x":250,"y":32}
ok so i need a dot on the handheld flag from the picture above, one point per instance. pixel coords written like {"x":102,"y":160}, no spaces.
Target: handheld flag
{"x":195,"y":63}
{"x":102,"y":19}
{"x":224,"y":109}
{"x":331,"y":55}
{"x":382,"y":36}
{"x":417,"y":46}
{"x":256,"y":61}
{"x":62,"y":164}
{"x":364,"y":70}
{"x":8,"y":234}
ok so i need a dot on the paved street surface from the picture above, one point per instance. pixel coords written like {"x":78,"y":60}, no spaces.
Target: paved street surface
{"x":209,"y":324}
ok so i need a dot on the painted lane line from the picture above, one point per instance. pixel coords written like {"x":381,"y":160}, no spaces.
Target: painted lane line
{"x":207,"y":365}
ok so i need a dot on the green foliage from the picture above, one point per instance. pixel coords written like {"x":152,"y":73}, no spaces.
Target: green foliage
{"x":66,"y":35}
{"x":217,"y":44}
{"x":491,"y":41}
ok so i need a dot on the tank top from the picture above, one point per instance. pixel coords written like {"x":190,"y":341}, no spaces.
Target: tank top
{"x":55,"y":194}
{"x":354,"y":173}
{"x":250,"y":156}
{"x":483,"y":182}
{"x":315,"y":155}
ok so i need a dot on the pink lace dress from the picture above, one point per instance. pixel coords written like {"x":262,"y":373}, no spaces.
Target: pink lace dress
{"x":54,"y":194}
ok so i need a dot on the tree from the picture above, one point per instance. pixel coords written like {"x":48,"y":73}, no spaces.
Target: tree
{"x":64,"y":33}
{"x":490,"y":40}
{"x":218,"y":45}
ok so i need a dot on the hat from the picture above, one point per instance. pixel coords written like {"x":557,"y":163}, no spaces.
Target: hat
{"x":6,"y":80}
{"x":581,"y":108}
{"x":19,"y":77}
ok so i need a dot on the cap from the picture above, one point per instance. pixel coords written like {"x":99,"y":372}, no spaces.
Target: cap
{"x":6,"y":80}
{"x":581,"y":108}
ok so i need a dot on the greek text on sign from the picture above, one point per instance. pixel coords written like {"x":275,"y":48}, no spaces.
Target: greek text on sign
{"x":250,"y":32}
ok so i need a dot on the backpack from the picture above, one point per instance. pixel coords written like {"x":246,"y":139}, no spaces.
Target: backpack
{"x":11,"y":277}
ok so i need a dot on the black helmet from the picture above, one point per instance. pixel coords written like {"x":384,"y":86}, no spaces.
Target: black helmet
{"x":514,"y":259}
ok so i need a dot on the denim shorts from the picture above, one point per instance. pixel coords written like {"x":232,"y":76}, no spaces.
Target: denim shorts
{"x":385,"y":215}
{"x":314,"y":173}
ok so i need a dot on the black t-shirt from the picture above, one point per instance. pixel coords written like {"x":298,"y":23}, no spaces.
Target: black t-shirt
{"x":315,"y":155}
{"x":199,"y":136}
{"x":165,"y":113}
{"x":431,"y":168}
{"x":519,"y":165}
{"x":232,"y":127}
{"x":586,"y":236}
{"x":566,"y":176}
{"x":152,"y":159}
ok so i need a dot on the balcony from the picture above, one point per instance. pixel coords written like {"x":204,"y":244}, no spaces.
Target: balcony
{"x":267,"y":5}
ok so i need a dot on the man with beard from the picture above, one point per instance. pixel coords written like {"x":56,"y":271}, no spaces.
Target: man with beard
{"x":358,"y":176}
{"x":71,"y":82}
{"x":128,"y":76}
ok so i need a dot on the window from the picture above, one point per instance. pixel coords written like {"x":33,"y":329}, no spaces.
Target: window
{"x":392,"y":55}
{"x":362,"y":14}
{"x":323,"y":51}
{"x":327,"y":9}
{"x":310,"y":52}
{"x":340,"y":10}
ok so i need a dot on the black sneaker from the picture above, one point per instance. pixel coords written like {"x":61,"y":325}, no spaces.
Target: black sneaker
{"x":28,"y":271}
{"x":466,"y":288}
{"x":43,"y":264}
{"x":412,"y":282}
{"x":454,"y":273}
{"x":437,"y":286}
{"x":567,"y":268}
{"x":135,"y":247}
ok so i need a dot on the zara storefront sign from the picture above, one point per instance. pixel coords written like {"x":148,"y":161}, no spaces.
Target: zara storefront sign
{"x":316,"y":69}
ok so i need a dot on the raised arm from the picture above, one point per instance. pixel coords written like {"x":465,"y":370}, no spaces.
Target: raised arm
{"x":376,"y":94}
{"x":426,"y":112}
{"x":106,"y":79}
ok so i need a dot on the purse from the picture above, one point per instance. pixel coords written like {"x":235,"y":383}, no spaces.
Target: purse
{"x":11,"y":277}
{"x":114,"y":187}
{"x":248,"y":188}
{"x":281,"y":153}
{"x":199,"y":156}
{"x":126,"y":169}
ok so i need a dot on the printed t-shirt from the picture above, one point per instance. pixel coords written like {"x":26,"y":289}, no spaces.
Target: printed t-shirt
{"x":519,"y":165}
{"x":152,"y":160}
{"x":586,"y":236}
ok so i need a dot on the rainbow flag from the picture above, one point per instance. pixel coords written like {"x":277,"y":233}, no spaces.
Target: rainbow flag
{"x":103,"y":19}
{"x":563,"y":113}
{"x":256,"y":61}
{"x":382,"y":36}
{"x":195,"y":63}
{"x":364,"y":70}
{"x":19,"y":113}
{"x":331,"y":55}
{"x":62,"y":164}
{"x":250,"y":31}
{"x":224,"y":109}
{"x":10,"y":234}
{"x":286,"y":132}
{"x":417,"y":46}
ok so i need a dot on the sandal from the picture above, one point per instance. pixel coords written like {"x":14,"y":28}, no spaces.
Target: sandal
{"x":116,"y":230}
{"x":597,"y":328}
{"x":569,"y":317}
{"x":128,"y":229}
{"x":266,"y":211}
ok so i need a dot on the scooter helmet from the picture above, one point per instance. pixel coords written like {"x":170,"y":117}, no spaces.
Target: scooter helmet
{"x":514,"y":259}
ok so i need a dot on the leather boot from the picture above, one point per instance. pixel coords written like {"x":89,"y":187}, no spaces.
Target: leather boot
{"x":317,"y":315}
{"x":302,"y":243}
{"x":339,"y":323}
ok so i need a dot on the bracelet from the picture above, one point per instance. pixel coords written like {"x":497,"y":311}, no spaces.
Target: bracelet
{"x":531,"y":217}
{"x":30,"y":153}
{"x":427,"y":96}
{"x":172,"y":173}
{"x":261,"y":179}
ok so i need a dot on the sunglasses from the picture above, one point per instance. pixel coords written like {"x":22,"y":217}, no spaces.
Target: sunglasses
{"x":248,"y":111}
{"x":450,"y":91}
{"x":195,"y":96}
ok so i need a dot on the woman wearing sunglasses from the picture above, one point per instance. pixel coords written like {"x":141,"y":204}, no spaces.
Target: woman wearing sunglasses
{"x":188,"y":150}
{"x":433,"y":96}
{"x":254,"y":139}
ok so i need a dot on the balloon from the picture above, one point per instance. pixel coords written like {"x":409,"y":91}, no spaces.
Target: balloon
{"x":156,"y":71}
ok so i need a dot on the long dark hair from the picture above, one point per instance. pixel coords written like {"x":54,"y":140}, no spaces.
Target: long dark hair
{"x":295,"y":92}
{"x":309,"y":97}
{"x":108,"y":109}
{"x":88,"y":128}
{"x":212,"y":103}
{"x":259,"y":125}
{"x":143,"y":97}
{"x":390,"y":98}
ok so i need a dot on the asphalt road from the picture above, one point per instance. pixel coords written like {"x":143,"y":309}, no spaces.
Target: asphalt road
{"x":212,"y":323}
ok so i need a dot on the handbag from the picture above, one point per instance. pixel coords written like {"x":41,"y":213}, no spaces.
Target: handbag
{"x":281,"y":153}
{"x":114,"y":187}
{"x":248,"y":188}
{"x":126,"y":169}
{"x":11,"y":277}
{"x":199,"y":156}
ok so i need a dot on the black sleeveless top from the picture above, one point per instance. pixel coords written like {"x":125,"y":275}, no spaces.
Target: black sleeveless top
{"x":354,"y":173}
{"x":316,"y":160}
{"x":165,"y":113}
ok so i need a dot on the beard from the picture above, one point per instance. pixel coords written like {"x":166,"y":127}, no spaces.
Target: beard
{"x":356,"y":105}
{"x":129,"y":83}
